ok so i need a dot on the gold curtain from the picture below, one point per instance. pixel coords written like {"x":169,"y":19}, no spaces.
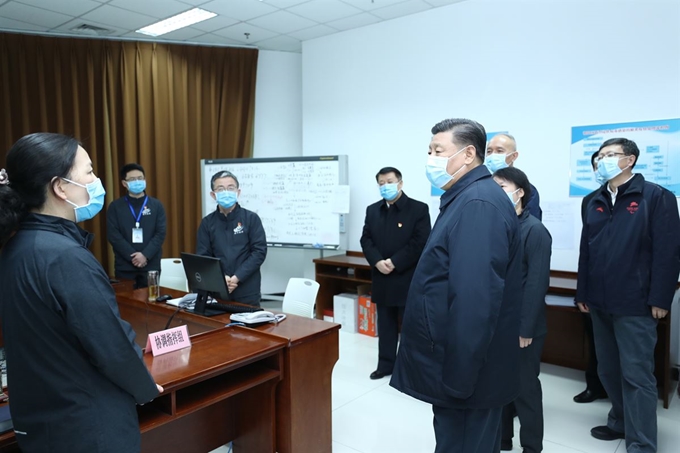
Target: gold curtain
{"x":164,"y":106}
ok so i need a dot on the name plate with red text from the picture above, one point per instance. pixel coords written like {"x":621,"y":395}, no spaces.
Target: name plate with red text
{"x":165,"y":341}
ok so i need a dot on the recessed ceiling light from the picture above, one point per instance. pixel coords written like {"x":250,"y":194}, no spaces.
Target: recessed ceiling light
{"x":176,"y":22}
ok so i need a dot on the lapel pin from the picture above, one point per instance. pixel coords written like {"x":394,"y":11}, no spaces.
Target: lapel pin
{"x":399,"y":224}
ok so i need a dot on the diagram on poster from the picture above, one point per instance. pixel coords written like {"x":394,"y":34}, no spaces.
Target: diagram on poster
{"x":659,"y":161}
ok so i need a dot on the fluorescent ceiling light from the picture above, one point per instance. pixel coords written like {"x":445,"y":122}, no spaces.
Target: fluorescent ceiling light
{"x":176,"y":22}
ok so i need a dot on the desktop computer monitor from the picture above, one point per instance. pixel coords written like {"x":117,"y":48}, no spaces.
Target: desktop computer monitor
{"x":205,"y":277}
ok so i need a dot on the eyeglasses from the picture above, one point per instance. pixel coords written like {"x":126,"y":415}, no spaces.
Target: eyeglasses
{"x":600,"y":156}
{"x":225,"y":189}
{"x":138,"y":178}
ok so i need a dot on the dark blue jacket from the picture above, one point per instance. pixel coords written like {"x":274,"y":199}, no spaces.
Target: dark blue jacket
{"x":534,"y":204}
{"x":459,"y":339}
{"x":630,"y":252}
{"x":74,"y":369}
{"x":239,"y":241}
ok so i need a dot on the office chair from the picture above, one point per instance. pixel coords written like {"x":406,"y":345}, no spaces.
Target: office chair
{"x":300,"y":297}
{"x":172,"y":274}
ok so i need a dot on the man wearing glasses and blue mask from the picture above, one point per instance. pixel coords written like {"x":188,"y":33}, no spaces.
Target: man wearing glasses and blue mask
{"x":501,"y":152}
{"x":236,"y":236}
{"x":135,"y":227}
{"x":458,"y":347}
{"x":627,"y":275}
{"x":395,"y":232}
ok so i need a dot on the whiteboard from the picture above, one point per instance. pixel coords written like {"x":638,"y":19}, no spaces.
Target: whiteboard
{"x":294,"y":197}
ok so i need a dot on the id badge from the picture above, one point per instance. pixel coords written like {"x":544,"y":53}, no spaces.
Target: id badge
{"x":137,"y":236}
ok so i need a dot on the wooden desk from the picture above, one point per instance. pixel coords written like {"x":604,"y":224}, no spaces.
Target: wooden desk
{"x":303,"y":397}
{"x":218,"y":390}
{"x":298,"y":391}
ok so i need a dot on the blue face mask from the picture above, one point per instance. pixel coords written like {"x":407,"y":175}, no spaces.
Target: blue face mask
{"x":599,"y":178}
{"x":96,"y":191}
{"x":226,"y":198}
{"x":495,"y":162}
{"x":436,"y":170}
{"x":512,"y":198}
{"x":389,"y":191}
{"x":136,"y":187}
{"x":608,"y":168}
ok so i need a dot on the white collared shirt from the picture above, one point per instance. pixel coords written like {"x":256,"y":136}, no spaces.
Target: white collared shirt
{"x":613,"y":194}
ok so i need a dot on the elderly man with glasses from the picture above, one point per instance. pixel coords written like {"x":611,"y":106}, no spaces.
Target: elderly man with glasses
{"x":236,"y":236}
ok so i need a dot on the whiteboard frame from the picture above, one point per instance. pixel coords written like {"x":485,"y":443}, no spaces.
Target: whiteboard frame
{"x":343,"y":177}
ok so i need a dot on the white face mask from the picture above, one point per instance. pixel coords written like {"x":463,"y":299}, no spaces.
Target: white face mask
{"x":436,"y":169}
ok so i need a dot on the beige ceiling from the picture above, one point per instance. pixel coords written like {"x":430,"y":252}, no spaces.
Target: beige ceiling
{"x":267,"y":24}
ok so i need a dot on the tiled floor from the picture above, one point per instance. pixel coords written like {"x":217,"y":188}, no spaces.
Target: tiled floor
{"x":372,"y":417}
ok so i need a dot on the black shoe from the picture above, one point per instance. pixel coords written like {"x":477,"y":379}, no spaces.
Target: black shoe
{"x":588,"y":396}
{"x":506,"y":445}
{"x":606,"y":433}
{"x":379,"y":374}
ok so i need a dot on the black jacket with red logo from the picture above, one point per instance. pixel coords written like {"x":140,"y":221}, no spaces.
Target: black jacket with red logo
{"x":630,"y":251}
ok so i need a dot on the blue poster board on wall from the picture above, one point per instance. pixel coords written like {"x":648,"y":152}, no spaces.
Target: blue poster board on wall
{"x":659,"y":161}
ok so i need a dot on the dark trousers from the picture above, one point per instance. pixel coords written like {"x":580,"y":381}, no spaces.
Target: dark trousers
{"x":592,"y":379}
{"x":625,"y":349}
{"x":388,"y":336}
{"x":139,"y":277}
{"x":529,"y":403}
{"x":467,"y":430}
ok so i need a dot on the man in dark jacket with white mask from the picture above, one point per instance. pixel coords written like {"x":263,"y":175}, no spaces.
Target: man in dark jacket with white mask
{"x":627,"y":275}
{"x":459,"y":347}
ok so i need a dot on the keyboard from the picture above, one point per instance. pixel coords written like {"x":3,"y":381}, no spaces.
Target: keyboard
{"x":232,"y":308}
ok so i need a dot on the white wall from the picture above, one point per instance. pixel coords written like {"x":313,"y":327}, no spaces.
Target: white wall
{"x":534,"y":68}
{"x":278,"y":133}
{"x":278,"y":105}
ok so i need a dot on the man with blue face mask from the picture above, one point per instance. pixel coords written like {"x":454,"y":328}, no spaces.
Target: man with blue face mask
{"x":461,"y":325}
{"x":628,"y":271}
{"x":236,"y":236}
{"x":501,"y":152}
{"x":395,"y":231}
{"x":135,"y":227}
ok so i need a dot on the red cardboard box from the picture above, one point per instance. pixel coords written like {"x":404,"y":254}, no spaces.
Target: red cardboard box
{"x":368,"y":316}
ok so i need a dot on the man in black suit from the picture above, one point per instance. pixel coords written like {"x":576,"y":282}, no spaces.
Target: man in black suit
{"x":395,"y":232}
{"x":594,"y":389}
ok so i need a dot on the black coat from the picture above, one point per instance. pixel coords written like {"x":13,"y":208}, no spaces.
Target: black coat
{"x":534,"y":204}
{"x":74,"y":370}
{"x":630,"y":252}
{"x":399,"y":233}
{"x":537,"y":245}
{"x":239,"y":241}
{"x":459,"y":339}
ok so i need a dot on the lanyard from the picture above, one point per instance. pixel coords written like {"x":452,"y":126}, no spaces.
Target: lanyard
{"x":137,"y":217}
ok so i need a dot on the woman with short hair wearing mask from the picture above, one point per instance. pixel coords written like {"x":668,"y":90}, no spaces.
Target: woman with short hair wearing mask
{"x":537,"y":245}
{"x":74,"y":370}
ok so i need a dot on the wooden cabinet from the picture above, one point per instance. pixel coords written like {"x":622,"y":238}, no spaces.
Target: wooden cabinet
{"x":339,"y":274}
